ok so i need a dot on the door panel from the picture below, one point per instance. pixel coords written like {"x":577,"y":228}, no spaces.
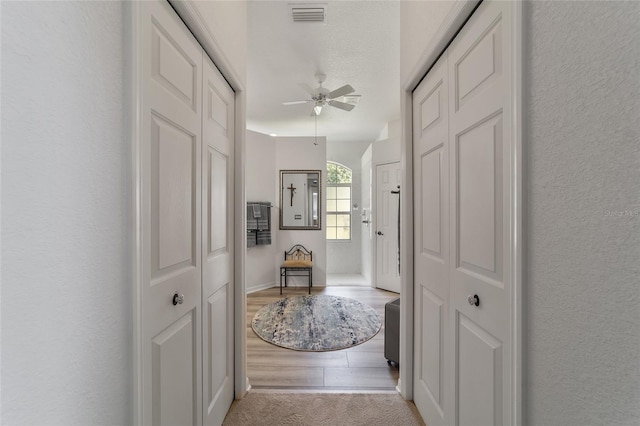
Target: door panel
{"x":218,"y":171}
{"x":175,"y":373}
{"x":386,"y":220}
{"x":480,"y":375}
{"x":480,"y":137}
{"x":173,"y":67}
{"x":172,"y":187}
{"x":479,"y":189}
{"x":431,"y":220}
{"x":218,"y":213}
{"x":432,"y":360}
{"x":432,"y":377}
{"x":216,"y":356}
{"x":171,"y":209}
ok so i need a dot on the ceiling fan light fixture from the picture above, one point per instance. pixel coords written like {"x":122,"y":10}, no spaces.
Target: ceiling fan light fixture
{"x":317,"y":109}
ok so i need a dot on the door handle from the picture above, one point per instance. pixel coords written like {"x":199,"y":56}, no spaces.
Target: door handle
{"x":380,"y":233}
{"x":473,"y":300}
{"x":178,"y":299}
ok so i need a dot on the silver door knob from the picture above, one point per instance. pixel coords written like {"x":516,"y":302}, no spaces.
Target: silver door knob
{"x":380,"y":233}
{"x":178,"y":299}
{"x":473,"y":300}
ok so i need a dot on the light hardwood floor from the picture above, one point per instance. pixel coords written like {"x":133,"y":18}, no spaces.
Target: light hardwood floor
{"x":361,"y":367}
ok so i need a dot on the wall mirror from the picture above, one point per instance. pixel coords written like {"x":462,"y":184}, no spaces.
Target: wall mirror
{"x":300,"y":199}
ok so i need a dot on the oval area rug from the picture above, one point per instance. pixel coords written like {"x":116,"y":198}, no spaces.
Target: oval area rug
{"x":316,"y":323}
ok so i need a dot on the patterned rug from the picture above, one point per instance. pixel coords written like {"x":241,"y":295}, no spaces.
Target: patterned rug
{"x":316,"y":323}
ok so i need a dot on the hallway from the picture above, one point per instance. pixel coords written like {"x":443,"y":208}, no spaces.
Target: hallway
{"x":72,"y":269}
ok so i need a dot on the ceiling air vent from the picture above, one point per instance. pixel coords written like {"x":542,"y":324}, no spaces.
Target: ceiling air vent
{"x":308,"y":12}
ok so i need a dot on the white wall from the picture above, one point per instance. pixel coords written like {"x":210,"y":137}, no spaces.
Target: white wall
{"x":345,"y":257}
{"x":582,"y":139}
{"x":66,"y":208}
{"x":66,"y":281}
{"x":582,"y":168}
{"x":227,"y":24}
{"x":262,"y":185}
{"x":300,"y":153}
{"x":386,"y":151}
{"x":419,"y":21}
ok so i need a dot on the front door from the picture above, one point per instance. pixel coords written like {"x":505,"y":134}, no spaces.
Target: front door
{"x":387,"y":227}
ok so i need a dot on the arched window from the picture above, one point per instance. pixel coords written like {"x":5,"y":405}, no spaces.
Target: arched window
{"x":338,"y":202}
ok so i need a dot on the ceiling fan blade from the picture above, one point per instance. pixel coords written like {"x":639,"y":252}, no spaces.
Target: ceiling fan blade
{"x":297,"y":102}
{"x":341,"y":105}
{"x":341,"y":91}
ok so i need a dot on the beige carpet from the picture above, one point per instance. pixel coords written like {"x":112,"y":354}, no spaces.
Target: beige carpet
{"x":322,"y":409}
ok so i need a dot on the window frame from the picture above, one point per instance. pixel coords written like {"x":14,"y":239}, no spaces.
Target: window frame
{"x":337,"y":213}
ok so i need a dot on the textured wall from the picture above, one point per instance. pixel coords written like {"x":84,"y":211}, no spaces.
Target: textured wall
{"x":300,"y":153}
{"x":262,"y":185}
{"x":582,"y":139}
{"x":227,"y":23}
{"x":66,"y":285}
{"x":419,"y":21}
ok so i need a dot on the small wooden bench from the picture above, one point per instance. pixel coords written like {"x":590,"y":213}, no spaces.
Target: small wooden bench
{"x":298,"y":261}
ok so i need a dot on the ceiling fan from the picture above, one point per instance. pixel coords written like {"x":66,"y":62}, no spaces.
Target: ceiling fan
{"x":322,"y":96}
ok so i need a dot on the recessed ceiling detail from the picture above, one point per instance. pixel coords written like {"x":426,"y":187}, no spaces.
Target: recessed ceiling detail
{"x":308,"y":12}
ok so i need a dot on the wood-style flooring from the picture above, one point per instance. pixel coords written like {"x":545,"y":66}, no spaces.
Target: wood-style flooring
{"x":361,"y":367}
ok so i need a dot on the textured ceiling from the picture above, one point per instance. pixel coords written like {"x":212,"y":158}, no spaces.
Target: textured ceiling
{"x":359,"y":44}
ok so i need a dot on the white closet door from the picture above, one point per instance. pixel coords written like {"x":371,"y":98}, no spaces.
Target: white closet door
{"x":480,"y":165}
{"x":217,"y":245}
{"x":463,"y":181}
{"x":171,"y":148}
{"x":432,"y":352}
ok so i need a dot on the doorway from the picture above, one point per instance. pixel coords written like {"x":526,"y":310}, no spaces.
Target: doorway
{"x":387,"y":226}
{"x":344,"y":227}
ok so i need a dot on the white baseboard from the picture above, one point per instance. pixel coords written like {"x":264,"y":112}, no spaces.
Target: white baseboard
{"x":265,"y":286}
{"x":259,"y":287}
